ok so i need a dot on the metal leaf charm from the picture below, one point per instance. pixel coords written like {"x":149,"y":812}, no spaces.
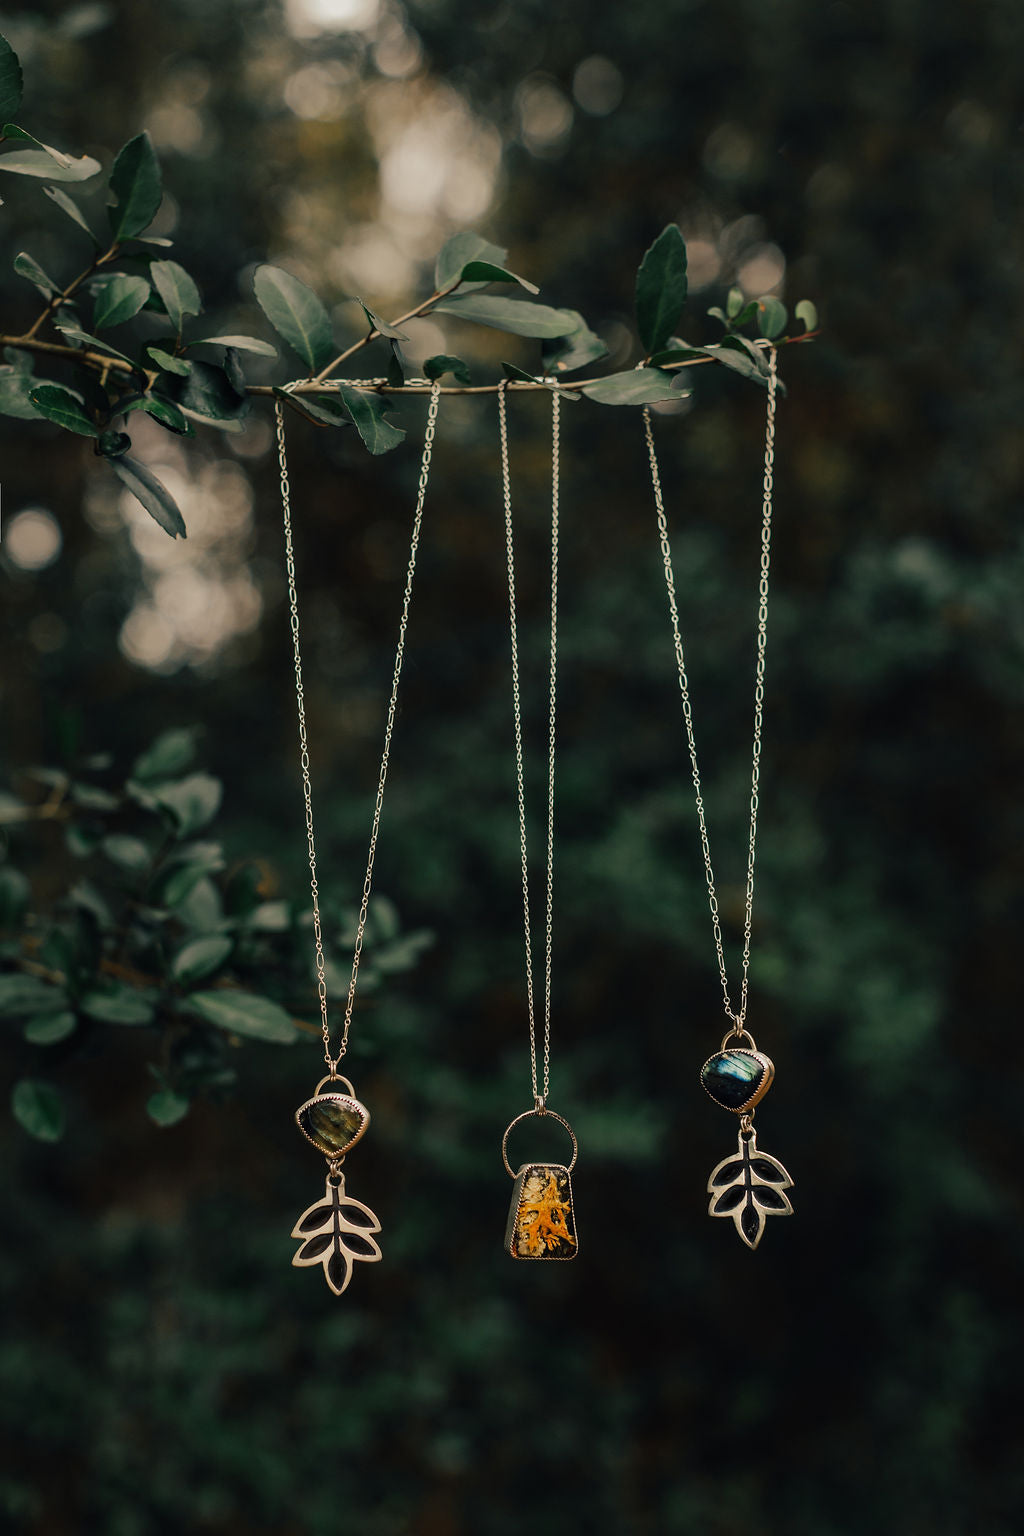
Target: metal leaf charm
{"x":748,"y":1188}
{"x":335,"y":1232}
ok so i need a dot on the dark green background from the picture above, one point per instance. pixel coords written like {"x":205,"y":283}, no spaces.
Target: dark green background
{"x":164,"y":1369}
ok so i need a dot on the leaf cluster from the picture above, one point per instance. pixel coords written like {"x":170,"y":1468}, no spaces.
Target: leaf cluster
{"x":170,"y":365}
{"x":159,"y":931}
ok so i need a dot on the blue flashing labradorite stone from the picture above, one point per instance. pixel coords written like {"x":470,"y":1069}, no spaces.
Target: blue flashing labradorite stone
{"x":732,"y":1078}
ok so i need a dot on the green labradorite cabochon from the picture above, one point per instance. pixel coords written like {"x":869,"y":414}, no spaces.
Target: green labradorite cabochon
{"x":333,"y":1122}
{"x":737,"y":1079}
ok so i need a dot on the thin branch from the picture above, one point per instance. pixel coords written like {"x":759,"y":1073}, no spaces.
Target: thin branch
{"x":58,"y":299}
{"x":374,"y":334}
{"x":102,"y":362}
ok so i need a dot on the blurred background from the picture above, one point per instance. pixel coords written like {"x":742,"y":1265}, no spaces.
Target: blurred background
{"x":164,"y":1369}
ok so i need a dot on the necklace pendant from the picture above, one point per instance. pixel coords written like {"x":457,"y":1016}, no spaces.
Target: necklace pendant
{"x":336,"y":1231}
{"x":749,"y":1186}
{"x":541,"y":1223}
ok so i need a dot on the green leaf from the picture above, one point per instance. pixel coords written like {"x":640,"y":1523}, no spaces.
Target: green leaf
{"x":717,"y":313}
{"x":513,"y":315}
{"x":129,"y":853}
{"x":734,"y":354}
{"x":381,"y":326}
{"x":59,"y":404}
{"x":201,"y":957}
{"x":38,"y":1109}
{"x":92,"y":798}
{"x":165,"y":1107}
{"x":178,"y":291}
{"x":242,"y":1013}
{"x":70,"y":207}
{"x":208,"y":392}
{"x":175,"y":884}
{"x":240,"y":343}
{"x":171,"y":753}
{"x":73,"y":333}
{"x":575,"y":350}
{"x":113,"y":445}
{"x":808,"y":313}
{"x":169,"y":364}
{"x":137,"y":188}
{"x":168,"y":415}
{"x":321,"y":410}
{"x":458,"y":252}
{"x":154,"y":496}
{"x":12,"y":131}
{"x":16,"y":394}
{"x":490,"y":272}
{"x":675,"y":355}
{"x":26,"y":266}
{"x":14,"y":896}
{"x":202,"y":910}
{"x":50,"y":1028}
{"x":661,"y":288}
{"x":21,"y":995}
{"x":437,"y":367}
{"x":734,"y":302}
{"x":367,"y":411}
{"x":10,"y":80}
{"x":192,"y":802}
{"x":771,"y":316}
{"x":639,"y":386}
{"x":297,"y":314}
{"x":511,"y":371}
{"x":119,"y":299}
{"x":40,"y":163}
{"x":117,"y":1004}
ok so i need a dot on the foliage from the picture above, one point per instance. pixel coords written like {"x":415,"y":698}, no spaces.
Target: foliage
{"x":166,"y":379}
{"x":158,"y":931}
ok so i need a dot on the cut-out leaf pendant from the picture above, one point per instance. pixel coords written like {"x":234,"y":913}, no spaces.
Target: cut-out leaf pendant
{"x":748,"y":1187}
{"x":337,"y":1232}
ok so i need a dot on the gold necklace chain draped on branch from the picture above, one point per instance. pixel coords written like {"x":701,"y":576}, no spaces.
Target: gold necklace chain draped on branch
{"x":748,"y":1185}
{"x":336,"y":1231}
{"x":541,"y":1223}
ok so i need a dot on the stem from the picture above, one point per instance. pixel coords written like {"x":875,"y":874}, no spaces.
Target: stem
{"x":373,"y":335}
{"x":61,"y":298}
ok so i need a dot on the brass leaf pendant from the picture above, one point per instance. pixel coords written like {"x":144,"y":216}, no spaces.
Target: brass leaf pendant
{"x":337,"y":1232}
{"x":748,"y":1188}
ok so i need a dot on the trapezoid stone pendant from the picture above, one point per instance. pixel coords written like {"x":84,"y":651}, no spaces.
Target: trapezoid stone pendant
{"x":541,"y":1223}
{"x":336,"y":1231}
{"x":749,"y":1187}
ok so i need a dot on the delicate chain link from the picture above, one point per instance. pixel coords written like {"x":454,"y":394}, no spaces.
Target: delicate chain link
{"x":334,"y":1060}
{"x":540,"y":1098}
{"x":293,"y":606}
{"x":738,"y":1018}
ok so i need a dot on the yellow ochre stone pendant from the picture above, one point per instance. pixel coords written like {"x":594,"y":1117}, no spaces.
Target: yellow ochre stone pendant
{"x":336,"y":1231}
{"x":541,"y":1224}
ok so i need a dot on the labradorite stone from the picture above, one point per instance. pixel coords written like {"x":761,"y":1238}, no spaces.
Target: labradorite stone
{"x":732,"y":1078}
{"x":333,"y":1124}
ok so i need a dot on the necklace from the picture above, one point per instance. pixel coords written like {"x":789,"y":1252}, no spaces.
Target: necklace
{"x":336,"y":1231}
{"x":541,"y":1223}
{"x":747,"y":1186}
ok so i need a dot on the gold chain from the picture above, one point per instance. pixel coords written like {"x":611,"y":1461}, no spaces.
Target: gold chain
{"x":540,"y":1098}
{"x":738,"y":1018}
{"x":428,"y":443}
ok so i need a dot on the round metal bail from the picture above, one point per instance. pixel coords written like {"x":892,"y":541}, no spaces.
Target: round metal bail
{"x":528,"y":1114}
{"x":741,"y":1033}
{"x":333,"y":1077}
